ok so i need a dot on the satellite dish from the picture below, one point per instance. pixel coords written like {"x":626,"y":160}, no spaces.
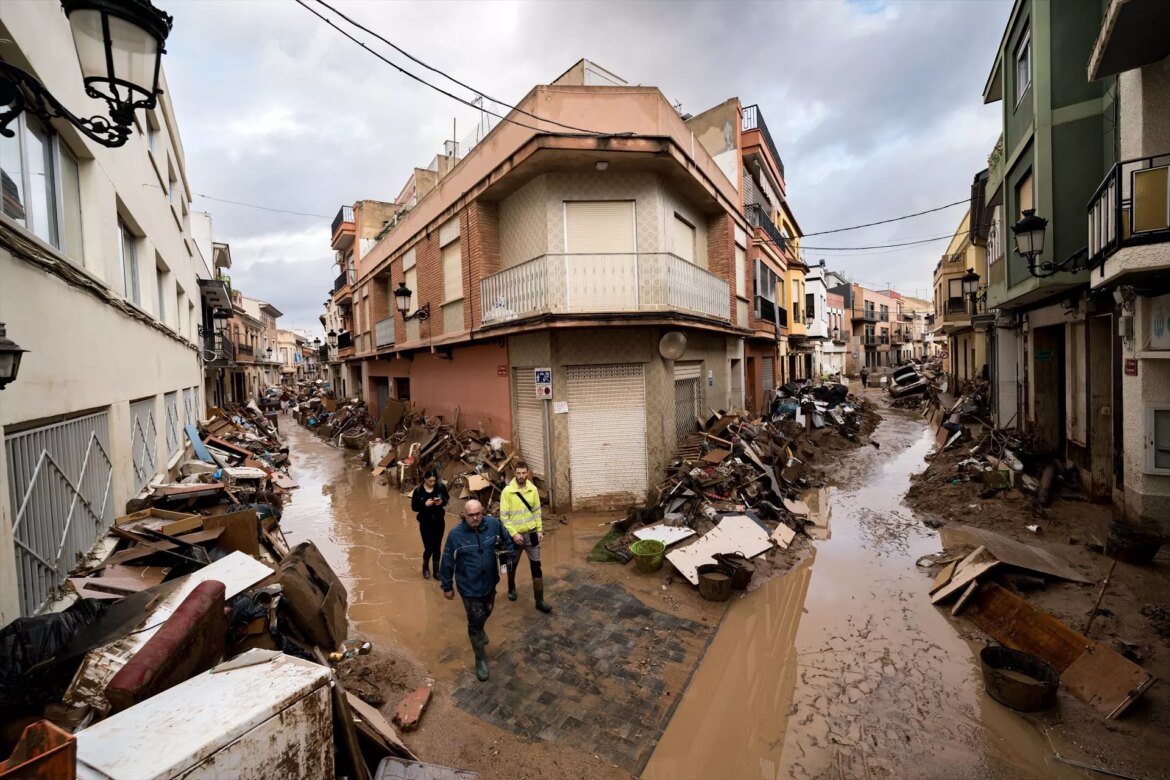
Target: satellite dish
{"x":673,"y":345}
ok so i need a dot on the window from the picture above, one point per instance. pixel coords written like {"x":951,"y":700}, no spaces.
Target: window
{"x":452,"y":272}
{"x":683,"y":243}
{"x":1025,"y":197}
{"x":809,"y":307}
{"x":411,"y":279}
{"x":160,"y":275}
{"x":179,"y":309}
{"x":42,"y":190}
{"x":740,"y":271}
{"x":71,"y":243}
{"x":1023,"y":65}
{"x":40,"y":185}
{"x":1157,"y":439}
{"x":129,"y":256}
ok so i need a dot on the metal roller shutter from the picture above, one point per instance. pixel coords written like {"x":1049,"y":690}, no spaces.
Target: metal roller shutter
{"x":683,"y":242}
{"x":529,"y":420}
{"x":769,"y":374}
{"x":599,"y":226}
{"x":607,"y":434}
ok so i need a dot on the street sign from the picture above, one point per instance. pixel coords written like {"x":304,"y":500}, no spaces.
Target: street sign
{"x":944,"y":354}
{"x":1131,"y":365}
{"x":543,"y":378}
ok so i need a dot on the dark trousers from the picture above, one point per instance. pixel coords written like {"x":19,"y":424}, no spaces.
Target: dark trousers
{"x":478,"y":611}
{"x":431,"y":531}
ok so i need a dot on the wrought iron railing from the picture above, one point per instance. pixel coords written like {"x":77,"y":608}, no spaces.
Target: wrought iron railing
{"x":956,"y":306}
{"x":344,"y":214}
{"x":754,"y":120}
{"x":765,"y":309}
{"x":867,"y":314}
{"x":757,"y":216}
{"x":1130,"y":206}
{"x":344,"y":340}
{"x":340,"y":281}
{"x":619,"y":282}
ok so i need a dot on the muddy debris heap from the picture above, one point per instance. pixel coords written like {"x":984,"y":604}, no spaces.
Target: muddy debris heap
{"x":194,"y":629}
{"x":733,"y":490}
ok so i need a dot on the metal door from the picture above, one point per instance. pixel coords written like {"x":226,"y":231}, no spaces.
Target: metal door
{"x":529,"y":420}
{"x":687,"y":398}
{"x":607,"y":434}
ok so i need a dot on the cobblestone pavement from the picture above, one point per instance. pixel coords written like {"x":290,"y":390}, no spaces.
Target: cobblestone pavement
{"x":600,"y":673}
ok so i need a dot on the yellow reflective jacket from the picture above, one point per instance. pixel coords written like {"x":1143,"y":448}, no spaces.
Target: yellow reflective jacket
{"x":517,"y":518}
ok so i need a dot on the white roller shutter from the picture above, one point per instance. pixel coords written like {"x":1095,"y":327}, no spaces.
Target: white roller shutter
{"x":452,"y":272}
{"x":607,"y":434}
{"x":769,"y":374}
{"x":529,"y":420}
{"x":599,"y":226}
{"x":684,"y":239}
{"x":690,"y":370}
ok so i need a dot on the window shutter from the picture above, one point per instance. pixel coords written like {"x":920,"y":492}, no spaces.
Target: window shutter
{"x":600,"y":227}
{"x":411,"y":279}
{"x":452,"y":272}
{"x":740,"y":272}
{"x":683,"y":244}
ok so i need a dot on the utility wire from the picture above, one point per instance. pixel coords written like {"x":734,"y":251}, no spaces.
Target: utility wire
{"x":852,"y":248}
{"x":421,"y":80}
{"x":886,"y":221}
{"x":448,"y":76}
{"x":256,"y":206}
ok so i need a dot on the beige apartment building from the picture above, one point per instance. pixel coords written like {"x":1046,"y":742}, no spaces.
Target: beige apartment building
{"x":617,"y":261}
{"x":965,"y":347}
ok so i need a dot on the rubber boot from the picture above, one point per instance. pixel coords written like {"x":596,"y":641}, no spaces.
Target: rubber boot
{"x":426,"y":568}
{"x":511,"y":583}
{"x":538,"y":590}
{"x":479,"y":646}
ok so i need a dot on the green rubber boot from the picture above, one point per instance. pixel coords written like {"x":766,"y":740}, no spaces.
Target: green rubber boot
{"x":479,"y":646}
{"x":538,"y":590}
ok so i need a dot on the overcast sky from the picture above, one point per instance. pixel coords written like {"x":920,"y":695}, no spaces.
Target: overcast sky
{"x":875,"y":106}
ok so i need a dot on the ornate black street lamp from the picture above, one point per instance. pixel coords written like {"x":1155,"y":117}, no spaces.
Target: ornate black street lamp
{"x":119,"y":46}
{"x":10,"y":353}
{"x":402,"y":302}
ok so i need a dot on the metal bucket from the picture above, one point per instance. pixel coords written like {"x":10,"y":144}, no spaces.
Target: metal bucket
{"x":1018,"y":680}
{"x":714,"y":583}
{"x":1131,"y":544}
{"x":739,"y":568}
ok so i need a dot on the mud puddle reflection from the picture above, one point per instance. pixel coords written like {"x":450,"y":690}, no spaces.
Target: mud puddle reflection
{"x":842,"y":668}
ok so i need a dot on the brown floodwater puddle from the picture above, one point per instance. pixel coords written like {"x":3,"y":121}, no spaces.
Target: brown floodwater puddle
{"x":369,"y":535}
{"x":842,"y":667}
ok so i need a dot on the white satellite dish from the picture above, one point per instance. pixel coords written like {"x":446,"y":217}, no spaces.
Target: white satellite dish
{"x":673,"y":345}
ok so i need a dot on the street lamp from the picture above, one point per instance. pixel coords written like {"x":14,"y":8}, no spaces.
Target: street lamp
{"x":332,"y":336}
{"x":402,"y":301}
{"x":1030,"y":232}
{"x":10,"y":353}
{"x":119,"y":47}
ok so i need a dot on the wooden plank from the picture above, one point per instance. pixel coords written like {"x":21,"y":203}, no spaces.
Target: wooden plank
{"x":191,"y":523}
{"x":963,"y":599}
{"x":227,"y":445}
{"x":379,"y":725}
{"x":962,"y":579}
{"x":171,"y":491}
{"x":162,"y":515}
{"x":1013,"y":553}
{"x":943,"y":577}
{"x":284,"y":481}
{"x":240,"y":531}
{"x":1106,"y":680}
{"x":716,"y":456}
{"x":1014,"y":623}
{"x":149,"y":548}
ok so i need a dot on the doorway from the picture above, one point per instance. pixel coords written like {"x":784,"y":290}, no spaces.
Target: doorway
{"x":402,"y":388}
{"x":1048,"y":397}
{"x":1100,"y":364}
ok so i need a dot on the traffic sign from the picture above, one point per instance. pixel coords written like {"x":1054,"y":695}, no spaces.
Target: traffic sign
{"x":944,"y":354}
{"x":543,"y":378}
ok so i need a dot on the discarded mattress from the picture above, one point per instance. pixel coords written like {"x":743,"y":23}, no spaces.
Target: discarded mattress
{"x":736,"y":533}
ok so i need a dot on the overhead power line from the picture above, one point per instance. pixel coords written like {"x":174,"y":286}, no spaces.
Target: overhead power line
{"x":854,"y":248}
{"x":887,"y":221}
{"x":257,"y":206}
{"x":423,"y":81}
{"x":448,"y":76}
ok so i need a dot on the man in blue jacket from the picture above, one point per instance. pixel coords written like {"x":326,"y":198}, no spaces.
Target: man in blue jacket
{"x":470,"y":557}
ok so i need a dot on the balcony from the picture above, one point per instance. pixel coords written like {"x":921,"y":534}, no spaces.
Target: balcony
{"x":758,"y":217}
{"x":884,"y":316}
{"x":898,"y":336}
{"x":865,"y":315}
{"x":956,"y":306}
{"x":340,"y":237}
{"x":218,"y":351}
{"x":1130,"y":207}
{"x":869,"y":340}
{"x":754,"y":120}
{"x":594,"y":283}
{"x":765,"y":310}
{"x":344,"y":340}
{"x":384,"y":332}
{"x":782,"y":316}
{"x":884,"y":338}
{"x":245,"y":353}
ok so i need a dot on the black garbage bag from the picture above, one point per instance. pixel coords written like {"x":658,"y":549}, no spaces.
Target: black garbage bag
{"x":29,"y":648}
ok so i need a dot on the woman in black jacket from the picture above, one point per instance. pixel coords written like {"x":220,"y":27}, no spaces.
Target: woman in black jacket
{"x":428,"y":501}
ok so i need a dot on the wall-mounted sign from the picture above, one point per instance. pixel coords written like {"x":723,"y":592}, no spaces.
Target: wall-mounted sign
{"x":1159,"y":324}
{"x":1045,"y":355}
{"x":560,"y":407}
{"x":1131,"y":366}
{"x":501,"y":370}
{"x":543,"y":378}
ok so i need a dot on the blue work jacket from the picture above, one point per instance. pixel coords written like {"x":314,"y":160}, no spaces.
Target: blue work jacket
{"x":470,"y":557}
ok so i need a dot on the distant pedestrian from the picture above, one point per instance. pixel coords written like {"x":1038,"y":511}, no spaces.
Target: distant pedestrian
{"x":865,"y":377}
{"x":520,"y":512}
{"x":470,"y":557}
{"x":428,"y":501}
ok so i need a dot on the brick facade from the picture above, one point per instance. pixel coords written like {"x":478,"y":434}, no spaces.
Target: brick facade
{"x":480,"y":227}
{"x":721,"y":254}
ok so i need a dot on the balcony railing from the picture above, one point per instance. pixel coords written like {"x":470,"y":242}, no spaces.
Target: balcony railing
{"x":1130,"y":207}
{"x":884,"y":338}
{"x":884,"y":316}
{"x":340,"y":281}
{"x":754,"y":120}
{"x":765,"y":310}
{"x":344,"y":340}
{"x":221,"y":347}
{"x":956,"y":306}
{"x":581,"y":283}
{"x":869,"y":340}
{"x":868,"y":315}
{"x":384,"y":332}
{"x":757,"y":216}
{"x":344,"y":214}
{"x":246,"y":349}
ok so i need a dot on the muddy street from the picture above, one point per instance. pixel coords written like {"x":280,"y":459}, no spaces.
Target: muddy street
{"x":840,"y":668}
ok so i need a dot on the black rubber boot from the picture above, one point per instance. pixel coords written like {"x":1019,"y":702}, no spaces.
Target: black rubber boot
{"x":426,"y":569}
{"x":538,"y":590}
{"x":511,"y":583}
{"x":479,"y":646}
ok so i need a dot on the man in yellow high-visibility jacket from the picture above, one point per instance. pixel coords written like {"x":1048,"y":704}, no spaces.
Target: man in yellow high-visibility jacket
{"x":520,"y":514}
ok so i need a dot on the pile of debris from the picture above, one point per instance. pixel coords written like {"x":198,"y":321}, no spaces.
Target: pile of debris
{"x":192,"y":623}
{"x":737,"y":482}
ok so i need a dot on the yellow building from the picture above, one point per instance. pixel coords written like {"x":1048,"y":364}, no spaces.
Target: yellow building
{"x":965,"y":347}
{"x":792,"y":296}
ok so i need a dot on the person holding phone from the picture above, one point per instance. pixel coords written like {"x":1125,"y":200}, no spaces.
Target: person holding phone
{"x":428,"y":501}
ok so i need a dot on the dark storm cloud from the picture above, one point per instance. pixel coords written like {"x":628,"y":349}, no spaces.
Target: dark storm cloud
{"x":876,"y":108}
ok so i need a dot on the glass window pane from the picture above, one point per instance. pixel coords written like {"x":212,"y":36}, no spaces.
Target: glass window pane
{"x":71,"y":205}
{"x":1162,"y":438}
{"x":129,"y":264}
{"x":12,"y":177}
{"x":42,"y":187}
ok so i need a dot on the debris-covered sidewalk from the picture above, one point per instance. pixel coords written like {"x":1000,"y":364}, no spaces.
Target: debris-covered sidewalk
{"x":194,"y":638}
{"x":729,"y":510}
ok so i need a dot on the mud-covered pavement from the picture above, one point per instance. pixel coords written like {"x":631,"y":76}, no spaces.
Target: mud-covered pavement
{"x":841,"y":668}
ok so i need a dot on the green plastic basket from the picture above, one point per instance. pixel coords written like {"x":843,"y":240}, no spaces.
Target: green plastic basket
{"x":648,"y":555}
